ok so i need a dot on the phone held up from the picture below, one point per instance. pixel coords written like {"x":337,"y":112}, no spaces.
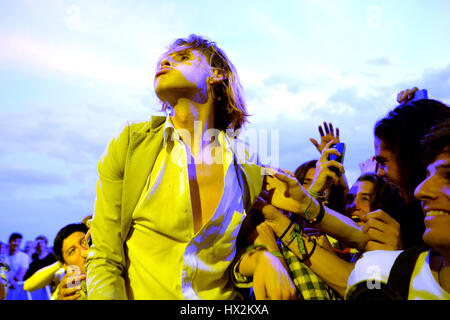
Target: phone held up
{"x":340,"y":147}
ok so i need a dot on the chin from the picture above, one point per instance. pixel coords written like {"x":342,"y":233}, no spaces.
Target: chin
{"x":437,"y":240}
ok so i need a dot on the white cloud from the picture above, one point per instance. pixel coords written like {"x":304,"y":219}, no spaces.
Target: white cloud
{"x":67,"y":59}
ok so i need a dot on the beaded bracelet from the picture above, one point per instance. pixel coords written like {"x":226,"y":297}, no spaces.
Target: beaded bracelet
{"x":319,"y":216}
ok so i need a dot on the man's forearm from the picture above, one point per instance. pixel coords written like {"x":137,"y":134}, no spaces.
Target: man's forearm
{"x":41,"y":278}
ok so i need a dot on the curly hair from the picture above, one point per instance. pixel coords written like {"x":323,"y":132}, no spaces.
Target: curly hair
{"x":230,"y":106}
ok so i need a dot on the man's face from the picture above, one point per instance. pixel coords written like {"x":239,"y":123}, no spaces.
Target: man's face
{"x":434,"y":194}
{"x":183,"y":73}
{"x":14,"y":245}
{"x":74,"y":250}
{"x":358,"y":199}
{"x":387,"y":163}
{"x":40,"y":245}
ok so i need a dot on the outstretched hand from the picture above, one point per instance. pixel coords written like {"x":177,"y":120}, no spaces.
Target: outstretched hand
{"x":282,"y":190}
{"x":325,"y":138}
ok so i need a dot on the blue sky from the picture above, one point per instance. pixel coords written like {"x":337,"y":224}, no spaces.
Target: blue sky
{"x":72,"y":73}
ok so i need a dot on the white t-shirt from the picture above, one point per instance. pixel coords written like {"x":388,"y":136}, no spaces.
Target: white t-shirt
{"x":17,"y":261}
{"x":376,"y":265}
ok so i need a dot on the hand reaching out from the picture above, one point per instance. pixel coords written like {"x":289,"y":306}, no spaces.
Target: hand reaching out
{"x":283,"y":191}
{"x":326,"y":138}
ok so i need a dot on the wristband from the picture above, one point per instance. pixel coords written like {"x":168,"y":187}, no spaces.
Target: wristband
{"x":319,"y":216}
{"x":277,"y":254}
{"x":256,"y":247}
{"x":311,"y":252}
{"x":306,"y":210}
{"x":285,"y":231}
{"x":317,"y":195}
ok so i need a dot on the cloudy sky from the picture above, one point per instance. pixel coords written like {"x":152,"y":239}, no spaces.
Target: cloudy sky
{"x":72,"y":73}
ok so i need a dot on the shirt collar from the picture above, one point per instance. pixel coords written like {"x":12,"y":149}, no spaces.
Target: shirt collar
{"x":170,"y":133}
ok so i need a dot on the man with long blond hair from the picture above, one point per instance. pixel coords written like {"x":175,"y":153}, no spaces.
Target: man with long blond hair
{"x":172,"y":192}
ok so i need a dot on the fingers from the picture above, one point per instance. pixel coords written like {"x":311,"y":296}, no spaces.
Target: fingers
{"x":315,"y":143}
{"x":69,"y":293}
{"x":406,"y":95}
{"x":411,"y":93}
{"x":259,"y":287}
{"x":70,"y":286}
{"x":381,"y":216}
{"x":321,"y":131}
{"x":383,"y":232}
{"x":327,"y":152}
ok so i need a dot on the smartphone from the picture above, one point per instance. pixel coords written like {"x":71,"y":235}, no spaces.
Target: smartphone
{"x":420,"y":94}
{"x":340,"y":147}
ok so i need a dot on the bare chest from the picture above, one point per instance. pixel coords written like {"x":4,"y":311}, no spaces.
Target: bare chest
{"x":206,"y":183}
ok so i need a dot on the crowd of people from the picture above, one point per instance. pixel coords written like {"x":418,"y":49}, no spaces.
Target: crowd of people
{"x":180,"y":215}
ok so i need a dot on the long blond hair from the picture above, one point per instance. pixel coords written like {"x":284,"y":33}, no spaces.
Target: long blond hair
{"x":230,"y":107}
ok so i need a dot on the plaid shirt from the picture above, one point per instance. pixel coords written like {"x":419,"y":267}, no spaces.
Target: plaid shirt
{"x":308,"y":284}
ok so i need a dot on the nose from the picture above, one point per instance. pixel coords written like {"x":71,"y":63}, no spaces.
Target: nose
{"x":424,"y":190}
{"x":166,"y":62}
{"x":84,"y":253}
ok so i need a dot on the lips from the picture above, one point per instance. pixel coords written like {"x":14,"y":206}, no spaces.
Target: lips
{"x":162,"y":71}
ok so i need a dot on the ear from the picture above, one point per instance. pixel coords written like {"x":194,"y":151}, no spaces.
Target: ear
{"x":216,"y":77}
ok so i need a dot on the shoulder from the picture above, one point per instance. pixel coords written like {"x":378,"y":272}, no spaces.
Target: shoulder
{"x":245,"y":152}
{"x":372,"y":266}
{"x":139,"y":127}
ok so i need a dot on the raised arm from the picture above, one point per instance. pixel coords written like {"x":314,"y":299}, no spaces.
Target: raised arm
{"x":283,"y":191}
{"x":41,"y":278}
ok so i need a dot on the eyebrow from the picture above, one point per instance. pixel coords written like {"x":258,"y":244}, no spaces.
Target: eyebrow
{"x":184,"y":51}
{"x":380,"y":158}
{"x":364,"y":194}
{"x":68,"y":249}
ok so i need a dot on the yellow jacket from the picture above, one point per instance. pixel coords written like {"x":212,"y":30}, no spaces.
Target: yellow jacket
{"x":122,"y":173}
